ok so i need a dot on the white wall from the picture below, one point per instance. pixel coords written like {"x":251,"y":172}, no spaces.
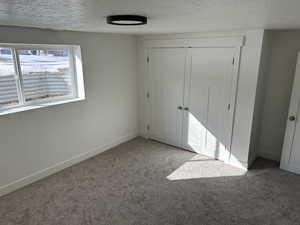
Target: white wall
{"x":247,"y":83}
{"x":260,"y":98}
{"x":284,"y":46}
{"x":35,"y":140}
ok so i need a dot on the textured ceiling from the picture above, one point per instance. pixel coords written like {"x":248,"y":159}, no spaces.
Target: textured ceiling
{"x":164,"y":15}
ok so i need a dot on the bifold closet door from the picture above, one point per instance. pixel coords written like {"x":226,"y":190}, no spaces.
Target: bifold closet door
{"x":208,"y":116}
{"x":166,"y":69}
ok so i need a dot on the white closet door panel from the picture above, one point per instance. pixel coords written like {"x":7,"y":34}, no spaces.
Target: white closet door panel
{"x":207,"y":127}
{"x":166,"y":75}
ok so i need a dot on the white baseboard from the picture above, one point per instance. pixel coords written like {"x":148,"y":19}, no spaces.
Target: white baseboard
{"x":290,"y":168}
{"x":269,"y":155}
{"x":62,"y":165}
{"x":230,"y":161}
{"x":237,"y":163}
{"x":251,"y":161}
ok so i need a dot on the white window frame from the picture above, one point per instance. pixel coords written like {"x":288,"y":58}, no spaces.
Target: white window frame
{"x":75,"y":63}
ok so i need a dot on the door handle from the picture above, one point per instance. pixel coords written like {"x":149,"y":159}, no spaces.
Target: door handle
{"x":186,"y":109}
{"x":292,"y":118}
{"x":179,"y":107}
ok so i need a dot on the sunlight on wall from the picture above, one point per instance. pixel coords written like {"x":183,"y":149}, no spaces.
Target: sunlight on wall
{"x":196,"y":134}
{"x":202,"y":140}
{"x":204,"y":167}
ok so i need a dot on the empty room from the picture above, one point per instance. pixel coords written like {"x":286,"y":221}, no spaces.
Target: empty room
{"x":147,"y":112}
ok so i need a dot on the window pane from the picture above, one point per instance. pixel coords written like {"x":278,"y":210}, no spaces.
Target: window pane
{"x":45,"y":73}
{"x":8,"y":85}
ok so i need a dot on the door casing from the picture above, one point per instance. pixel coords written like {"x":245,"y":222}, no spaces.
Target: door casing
{"x":291,"y":126}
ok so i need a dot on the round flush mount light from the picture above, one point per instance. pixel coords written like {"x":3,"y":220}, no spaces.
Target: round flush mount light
{"x":126,"y":20}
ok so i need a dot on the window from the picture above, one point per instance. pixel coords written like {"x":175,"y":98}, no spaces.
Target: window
{"x":8,"y":86}
{"x":33,"y":76}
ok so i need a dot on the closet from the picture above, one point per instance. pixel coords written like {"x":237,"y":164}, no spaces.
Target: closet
{"x":191,"y":97}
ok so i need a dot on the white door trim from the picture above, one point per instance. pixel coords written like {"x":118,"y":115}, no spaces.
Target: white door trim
{"x":233,"y":99}
{"x":236,"y":41}
{"x":291,"y":125}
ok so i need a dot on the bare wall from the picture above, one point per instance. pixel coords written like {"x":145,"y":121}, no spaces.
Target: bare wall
{"x":284,"y":46}
{"x":260,"y":97}
{"x":35,"y":140}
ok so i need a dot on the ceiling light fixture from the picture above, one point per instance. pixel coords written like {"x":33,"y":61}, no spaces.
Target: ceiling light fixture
{"x":126,"y":20}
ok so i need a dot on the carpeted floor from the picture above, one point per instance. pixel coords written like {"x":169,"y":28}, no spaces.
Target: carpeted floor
{"x":147,"y":183}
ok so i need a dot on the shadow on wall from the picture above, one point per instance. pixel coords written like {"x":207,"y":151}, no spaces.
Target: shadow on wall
{"x":280,"y":73}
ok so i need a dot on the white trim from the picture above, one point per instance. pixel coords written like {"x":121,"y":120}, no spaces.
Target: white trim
{"x":64,"y":164}
{"x":234,"y":93}
{"x":234,"y":162}
{"x":291,"y":125}
{"x":17,"y":76}
{"x":38,"y":106}
{"x":147,"y":120}
{"x":206,"y":42}
{"x":78,"y":70}
{"x":292,"y":169}
{"x":76,"y":73}
{"x":190,"y":35}
{"x":20,"y":46}
{"x":230,"y":161}
{"x":267,"y":153}
{"x":186,"y":98}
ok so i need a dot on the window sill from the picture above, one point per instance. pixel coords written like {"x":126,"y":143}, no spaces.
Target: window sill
{"x":38,"y":106}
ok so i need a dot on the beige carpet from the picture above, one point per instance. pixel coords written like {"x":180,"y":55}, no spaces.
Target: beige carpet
{"x":146,"y":183}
